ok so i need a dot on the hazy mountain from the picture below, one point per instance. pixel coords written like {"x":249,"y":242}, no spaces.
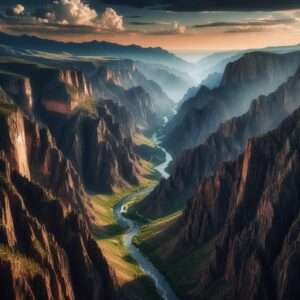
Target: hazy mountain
{"x":229,"y":140}
{"x":243,"y":80}
{"x":95,"y":48}
{"x":241,"y":227}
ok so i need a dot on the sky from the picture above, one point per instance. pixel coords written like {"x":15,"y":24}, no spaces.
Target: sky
{"x":187,"y":33}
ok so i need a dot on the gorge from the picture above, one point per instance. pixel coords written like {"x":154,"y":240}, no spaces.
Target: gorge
{"x":129,"y":173}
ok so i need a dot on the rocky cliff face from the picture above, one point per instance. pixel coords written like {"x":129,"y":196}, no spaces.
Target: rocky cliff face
{"x":265,"y":113}
{"x":124,"y":73}
{"x":140,"y":106}
{"x":19,"y":88}
{"x":250,"y":76}
{"x":99,"y":144}
{"x":56,"y":89}
{"x":46,"y":247}
{"x":252,"y":205}
{"x":174,"y":82}
{"x":97,"y":138}
{"x":136,"y":100}
{"x":248,"y":213}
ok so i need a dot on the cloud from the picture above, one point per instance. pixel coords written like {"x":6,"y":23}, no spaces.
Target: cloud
{"x":171,"y":29}
{"x":137,"y":23}
{"x":17,"y":10}
{"x":110,"y":20}
{"x":73,"y":12}
{"x":245,"y":30}
{"x":258,"y":23}
{"x":209,"y":5}
{"x":178,"y":28}
{"x":66,"y":12}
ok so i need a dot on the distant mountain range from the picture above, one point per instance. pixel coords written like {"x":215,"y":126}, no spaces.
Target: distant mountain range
{"x":96,"y":48}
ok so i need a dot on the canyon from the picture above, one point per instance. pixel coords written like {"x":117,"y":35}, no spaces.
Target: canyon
{"x":123,"y":178}
{"x":254,"y":74}
{"x":47,"y":248}
{"x":226,"y":143}
{"x":244,"y":234}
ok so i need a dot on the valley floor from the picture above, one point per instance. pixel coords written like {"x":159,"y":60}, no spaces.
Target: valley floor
{"x":132,"y":280}
{"x":134,"y":284}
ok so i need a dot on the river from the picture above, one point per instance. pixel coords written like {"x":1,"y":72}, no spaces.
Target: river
{"x":133,"y":227}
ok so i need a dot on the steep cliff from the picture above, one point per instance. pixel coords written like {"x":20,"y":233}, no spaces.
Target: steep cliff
{"x":97,"y":138}
{"x":264,"y":114}
{"x":125,"y":74}
{"x":241,"y":228}
{"x":243,"y":80}
{"x":136,"y":100}
{"x":19,"y":87}
{"x":174,"y":82}
{"x":252,"y":205}
{"x":99,"y":144}
{"x":33,"y":86}
{"x":46,"y":247}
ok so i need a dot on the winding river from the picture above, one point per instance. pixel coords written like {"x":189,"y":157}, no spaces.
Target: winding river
{"x":161,"y":283}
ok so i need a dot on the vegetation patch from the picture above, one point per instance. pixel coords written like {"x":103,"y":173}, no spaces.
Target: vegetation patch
{"x":108,"y":233}
{"x":194,"y":258}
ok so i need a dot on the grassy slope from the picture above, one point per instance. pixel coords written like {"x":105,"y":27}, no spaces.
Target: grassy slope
{"x":181,"y":267}
{"x":109,"y":236}
{"x":157,"y":240}
{"x":133,"y":283}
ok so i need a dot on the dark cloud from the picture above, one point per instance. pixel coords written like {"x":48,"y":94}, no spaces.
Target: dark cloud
{"x":193,"y":5}
{"x":266,"y":22}
{"x":134,"y":17}
{"x":245,"y":30}
{"x":142,"y":23}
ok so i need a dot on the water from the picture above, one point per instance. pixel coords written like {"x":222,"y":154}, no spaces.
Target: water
{"x":162,"y":167}
{"x":161,"y":283}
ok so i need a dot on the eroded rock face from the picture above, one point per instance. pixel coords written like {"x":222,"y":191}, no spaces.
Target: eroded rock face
{"x":19,"y":88}
{"x":251,"y":207}
{"x":124,"y":73}
{"x":13,"y":140}
{"x":56,"y":89}
{"x":225,"y":144}
{"x":46,"y":247}
{"x":243,"y":80}
{"x":32,"y":152}
{"x":99,"y":144}
{"x":66,"y":91}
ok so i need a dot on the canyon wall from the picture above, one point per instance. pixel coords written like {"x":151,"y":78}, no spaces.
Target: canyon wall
{"x":33,"y":86}
{"x":264,"y":114}
{"x":46,"y":246}
{"x":252,"y":75}
{"x":239,"y":233}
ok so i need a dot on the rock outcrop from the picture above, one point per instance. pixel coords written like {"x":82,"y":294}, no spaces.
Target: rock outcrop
{"x":173,"y":82}
{"x":95,"y":136}
{"x":124,"y":73}
{"x":55,"y":89}
{"x":19,"y":87}
{"x":265,"y":113}
{"x":252,"y":205}
{"x":99,"y":144}
{"x":243,"y":80}
{"x":248,"y":212}
{"x":46,"y":247}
